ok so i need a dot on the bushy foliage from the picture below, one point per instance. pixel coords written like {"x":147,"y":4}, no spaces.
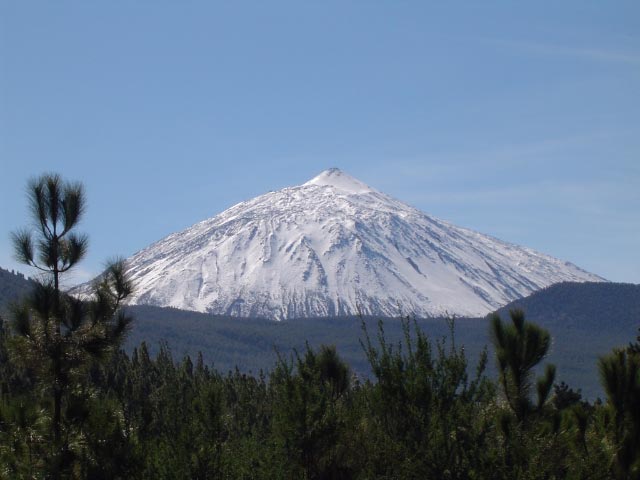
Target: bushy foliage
{"x":423,"y":415}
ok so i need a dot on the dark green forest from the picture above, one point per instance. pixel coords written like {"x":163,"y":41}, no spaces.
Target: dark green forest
{"x":586,"y":321}
{"x":13,"y":286}
{"x":74,"y":404}
{"x":425,"y":414}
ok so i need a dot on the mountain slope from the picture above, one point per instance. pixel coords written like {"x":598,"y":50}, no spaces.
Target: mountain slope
{"x":334,"y":246}
{"x":586,"y":321}
{"x":587,"y":306}
{"x":13,"y":288}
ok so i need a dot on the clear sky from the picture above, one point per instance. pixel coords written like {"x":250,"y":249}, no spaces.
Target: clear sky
{"x":520,"y":121}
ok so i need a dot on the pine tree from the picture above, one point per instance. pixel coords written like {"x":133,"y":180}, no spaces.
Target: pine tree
{"x":520,"y":347}
{"x":424,"y":414}
{"x":307,"y":422}
{"x":532,"y":447}
{"x":56,"y":334}
{"x":620,"y":376}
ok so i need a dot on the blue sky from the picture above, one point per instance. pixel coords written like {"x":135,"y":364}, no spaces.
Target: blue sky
{"x":520,"y":121}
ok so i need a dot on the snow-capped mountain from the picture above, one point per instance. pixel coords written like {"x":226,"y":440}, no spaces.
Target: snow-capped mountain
{"x":335,"y":246}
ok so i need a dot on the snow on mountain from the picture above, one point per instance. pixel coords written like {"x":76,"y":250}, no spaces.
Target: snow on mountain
{"x":335,"y":246}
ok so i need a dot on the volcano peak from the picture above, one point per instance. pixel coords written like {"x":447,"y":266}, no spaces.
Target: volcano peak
{"x":336,"y":178}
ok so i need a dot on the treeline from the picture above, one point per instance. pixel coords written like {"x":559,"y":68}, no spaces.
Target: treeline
{"x":583,"y":330}
{"x":588,"y":304}
{"x":423,"y":416}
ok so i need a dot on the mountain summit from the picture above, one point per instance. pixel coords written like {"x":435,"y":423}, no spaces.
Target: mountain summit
{"x":336,"y":178}
{"x":335,"y":246}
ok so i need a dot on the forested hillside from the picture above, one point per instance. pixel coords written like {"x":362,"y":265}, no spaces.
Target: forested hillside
{"x":586,"y":320}
{"x":13,"y":286}
{"x":584,"y":306}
